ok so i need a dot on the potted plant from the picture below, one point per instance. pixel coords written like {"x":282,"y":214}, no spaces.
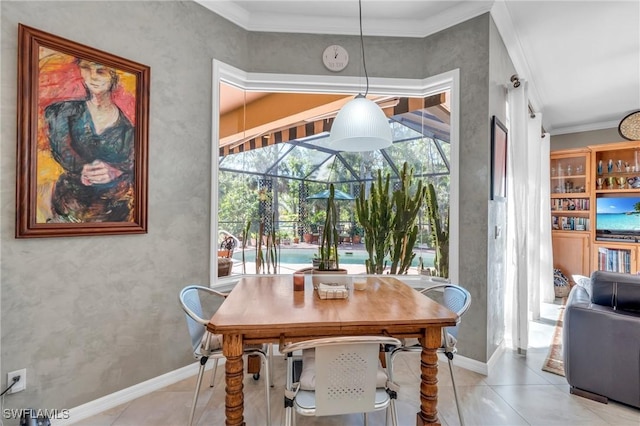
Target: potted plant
{"x":328,"y":259}
{"x":356,"y":234}
{"x":283,"y":238}
{"x":307,"y":236}
{"x":296,"y":235}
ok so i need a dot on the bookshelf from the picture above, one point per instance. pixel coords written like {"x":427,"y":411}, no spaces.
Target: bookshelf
{"x":616,"y":175}
{"x":571,"y":210}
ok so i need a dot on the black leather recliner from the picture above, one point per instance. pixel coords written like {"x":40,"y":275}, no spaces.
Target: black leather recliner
{"x":601,"y":338}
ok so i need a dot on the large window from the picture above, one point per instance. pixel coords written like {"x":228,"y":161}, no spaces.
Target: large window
{"x":273,"y":155}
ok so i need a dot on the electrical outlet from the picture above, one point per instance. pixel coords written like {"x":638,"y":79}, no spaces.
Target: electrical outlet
{"x":21,"y":384}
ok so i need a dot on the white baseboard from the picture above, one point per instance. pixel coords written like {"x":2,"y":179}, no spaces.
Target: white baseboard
{"x":495,"y":357}
{"x":468,"y":364}
{"x":478,"y":366}
{"x":107,"y":402}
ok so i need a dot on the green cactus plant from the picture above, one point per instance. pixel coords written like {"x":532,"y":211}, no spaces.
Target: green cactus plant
{"x":439,"y":233}
{"x":389,"y":222}
{"x":375,"y":215}
{"x":404,"y":230}
{"x":328,"y":250}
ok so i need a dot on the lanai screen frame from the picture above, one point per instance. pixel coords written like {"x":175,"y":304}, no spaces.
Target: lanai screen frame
{"x":294,"y":83}
{"x":420,"y":138}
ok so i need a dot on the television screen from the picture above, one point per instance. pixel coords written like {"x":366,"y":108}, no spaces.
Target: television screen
{"x":618,"y":219}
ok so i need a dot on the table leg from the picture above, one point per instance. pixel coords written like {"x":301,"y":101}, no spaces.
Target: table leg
{"x":232,"y":348}
{"x":428,"y":414}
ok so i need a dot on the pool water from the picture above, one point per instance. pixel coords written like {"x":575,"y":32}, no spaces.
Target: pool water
{"x":349,"y":257}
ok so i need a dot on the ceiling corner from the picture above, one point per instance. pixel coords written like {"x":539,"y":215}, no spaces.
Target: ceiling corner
{"x":228,"y":10}
{"x":504,"y":23}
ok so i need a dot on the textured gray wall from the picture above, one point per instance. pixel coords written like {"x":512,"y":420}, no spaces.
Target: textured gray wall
{"x":91,"y":315}
{"x":88,"y":316}
{"x":466,"y":46}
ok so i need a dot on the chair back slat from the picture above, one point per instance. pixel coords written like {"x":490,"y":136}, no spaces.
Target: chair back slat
{"x":191,"y":300}
{"x":346,"y":378}
{"x":457,"y":299}
{"x":454,"y":299}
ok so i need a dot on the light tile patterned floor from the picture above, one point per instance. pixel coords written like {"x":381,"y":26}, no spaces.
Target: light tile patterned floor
{"x":517,"y":392}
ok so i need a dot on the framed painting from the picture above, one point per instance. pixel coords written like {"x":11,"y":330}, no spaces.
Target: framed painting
{"x":83,"y":118}
{"x":498,"y":159}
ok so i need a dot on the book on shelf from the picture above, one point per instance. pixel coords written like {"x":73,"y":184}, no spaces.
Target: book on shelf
{"x":570,"y":223}
{"x":614,"y":260}
{"x":570,"y":204}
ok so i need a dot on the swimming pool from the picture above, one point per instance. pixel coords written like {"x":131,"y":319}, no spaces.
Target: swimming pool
{"x":346,"y":256}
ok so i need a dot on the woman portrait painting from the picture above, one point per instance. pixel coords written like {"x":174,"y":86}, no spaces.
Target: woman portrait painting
{"x":86,"y":141}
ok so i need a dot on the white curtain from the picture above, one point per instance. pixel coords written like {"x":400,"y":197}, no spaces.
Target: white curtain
{"x":529,"y":265}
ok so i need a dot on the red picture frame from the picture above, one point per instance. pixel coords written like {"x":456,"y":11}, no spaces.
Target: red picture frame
{"x":82,"y":154}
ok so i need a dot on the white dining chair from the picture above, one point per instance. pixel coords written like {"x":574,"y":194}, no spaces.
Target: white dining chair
{"x":339,"y":375}
{"x":456,"y":299}
{"x":207,"y":346}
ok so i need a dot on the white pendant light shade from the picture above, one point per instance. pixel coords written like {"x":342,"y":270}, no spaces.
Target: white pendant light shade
{"x":360,"y":126}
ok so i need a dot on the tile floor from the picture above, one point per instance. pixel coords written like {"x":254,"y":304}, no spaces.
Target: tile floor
{"x":517,"y":392}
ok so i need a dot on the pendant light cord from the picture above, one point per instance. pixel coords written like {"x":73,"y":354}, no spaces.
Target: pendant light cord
{"x":364,"y":62}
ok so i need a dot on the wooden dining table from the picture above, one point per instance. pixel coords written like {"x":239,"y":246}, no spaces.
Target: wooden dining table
{"x":266,"y":309}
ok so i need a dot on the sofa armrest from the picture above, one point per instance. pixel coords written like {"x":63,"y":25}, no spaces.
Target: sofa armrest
{"x":601,"y":348}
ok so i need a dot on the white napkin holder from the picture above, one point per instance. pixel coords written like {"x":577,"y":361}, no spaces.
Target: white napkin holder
{"x":332,"y":291}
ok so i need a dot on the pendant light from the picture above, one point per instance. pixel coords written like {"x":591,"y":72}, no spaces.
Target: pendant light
{"x":360,"y":125}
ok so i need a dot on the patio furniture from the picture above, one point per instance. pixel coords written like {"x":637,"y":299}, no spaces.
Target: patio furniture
{"x":227,"y":246}
{"x":225,"y":265}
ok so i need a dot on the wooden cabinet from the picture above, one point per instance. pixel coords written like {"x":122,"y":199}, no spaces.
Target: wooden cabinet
{"x":571,"y":210}
{"x":616,"y":200}
{"x":595,"y":208}
{"x":570,"y":172}
{"x":571,"y":253}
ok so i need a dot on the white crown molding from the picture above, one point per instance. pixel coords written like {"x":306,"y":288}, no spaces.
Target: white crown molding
{"x":504,"y":23}
{"x":306,"y":24}
{"x":585,"y":128}
{"x":329,"y":83}
{"x":228,"y":10}
{"x":452,"y":17}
